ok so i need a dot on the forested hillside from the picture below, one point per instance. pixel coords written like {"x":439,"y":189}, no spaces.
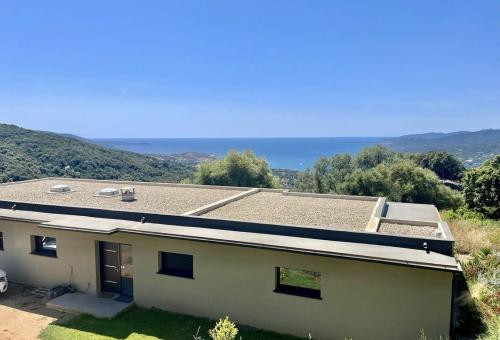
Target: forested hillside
{"x":472,"y":148}
{"x":27,"y":154}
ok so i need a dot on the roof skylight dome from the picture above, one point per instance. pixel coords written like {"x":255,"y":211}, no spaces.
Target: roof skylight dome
{"x":108,"y":192}
{"x":60,"y":188}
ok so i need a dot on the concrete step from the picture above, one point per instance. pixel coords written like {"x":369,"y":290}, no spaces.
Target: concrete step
{"x":89,"y":304}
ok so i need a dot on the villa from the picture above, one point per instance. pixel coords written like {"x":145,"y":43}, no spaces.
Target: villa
{"x":331,"y":265}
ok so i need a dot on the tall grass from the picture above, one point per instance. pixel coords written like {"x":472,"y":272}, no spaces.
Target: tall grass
{"x":477,"y":244}
{"x":472,"y":232}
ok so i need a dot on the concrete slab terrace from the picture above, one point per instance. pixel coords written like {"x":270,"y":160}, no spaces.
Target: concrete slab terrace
{"x":100,"y":307}
{"x":412,"y":212}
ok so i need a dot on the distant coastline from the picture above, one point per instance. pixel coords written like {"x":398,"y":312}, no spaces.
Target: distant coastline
{"x":283,"y":153}
{"x":472,"y":148}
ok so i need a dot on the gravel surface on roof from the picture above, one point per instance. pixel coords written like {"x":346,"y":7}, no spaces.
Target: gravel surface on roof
{"x":407,"y":229}
{"x":149,"y":198}
{"x":266,"y":207}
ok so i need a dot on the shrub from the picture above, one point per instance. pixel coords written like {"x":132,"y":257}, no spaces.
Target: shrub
{"x":371,"y":157}
{"x":463,"y":213}
{"x":327,"y":174}
{"x":402,"y":182}
{"x":224,"y":329}
{"x":445,"y":165}
{"x":305,"y":181}
{"x":241,"y":169}
{"x":482,"y":188}
{"x":372,"y":182}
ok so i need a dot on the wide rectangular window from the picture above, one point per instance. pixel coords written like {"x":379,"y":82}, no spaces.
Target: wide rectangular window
{"x":176,"y":264}
{"x":42,"y":245}
{"x":298,"y":282}
{"x":1,"y":240}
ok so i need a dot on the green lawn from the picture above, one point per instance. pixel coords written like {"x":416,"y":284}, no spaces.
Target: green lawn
{"x":300,"y":278}
{"x":139,"y":323}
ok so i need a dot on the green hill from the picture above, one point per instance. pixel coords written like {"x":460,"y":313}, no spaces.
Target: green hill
{"x":472,"y":148}
{"x":27,"y":154}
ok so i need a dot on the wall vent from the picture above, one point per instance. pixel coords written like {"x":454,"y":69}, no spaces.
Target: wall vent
{"x":127,"y":194}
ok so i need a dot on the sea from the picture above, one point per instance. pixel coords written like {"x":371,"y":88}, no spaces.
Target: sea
{"x":284,"y":153}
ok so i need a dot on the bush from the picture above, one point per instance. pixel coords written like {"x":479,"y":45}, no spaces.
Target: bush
{"x":305,"y":181}
{"x":463,"y":213}
{"x":224,"y":330}
{"x":482,"y":188}
{"x":241,"y":169}
{"x":445,"y":165}
{"x":402,"y":182}
{"x":372,"y":182}
{"x":371,"y":157}
{"x":329,"y":173}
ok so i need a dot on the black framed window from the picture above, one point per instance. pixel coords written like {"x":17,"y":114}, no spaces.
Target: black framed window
{"x":298,"y":282}
{"x":42,"y":245}
{"x":1,"y":240}
{"x":176,"y":264}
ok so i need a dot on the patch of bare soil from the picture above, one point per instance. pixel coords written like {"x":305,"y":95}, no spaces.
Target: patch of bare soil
{"x":23,"y":315}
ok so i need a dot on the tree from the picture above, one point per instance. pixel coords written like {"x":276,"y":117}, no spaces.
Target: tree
{"x":482,"y":188}
{"x":371,"y":157}
{"x":402,"y":182}
{"x":237,"y":169}
{"x":326,"y":175}
{"x":329,"y":173}
{"x":445,"y":165}
{"x":305,"y":181}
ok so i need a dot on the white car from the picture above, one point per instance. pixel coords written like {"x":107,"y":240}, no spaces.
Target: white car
{"x":3,"y":281}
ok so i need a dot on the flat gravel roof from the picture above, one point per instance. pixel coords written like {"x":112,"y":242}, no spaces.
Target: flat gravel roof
{"x":275,"y":207}
{"x":272,"y":207}
{"x":356,"y":226}
{"x":155,"y":198}
{"x":407,"y":229}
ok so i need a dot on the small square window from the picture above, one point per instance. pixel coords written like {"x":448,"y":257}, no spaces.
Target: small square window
{"x":298,"y":282}
{"x":176,"y":264}
{"x":1,"y":240}
{"x":42,"y":245}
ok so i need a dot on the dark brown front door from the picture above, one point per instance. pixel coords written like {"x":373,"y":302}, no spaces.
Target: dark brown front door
{"x":116,"y":268}
{"x":110,"y":267}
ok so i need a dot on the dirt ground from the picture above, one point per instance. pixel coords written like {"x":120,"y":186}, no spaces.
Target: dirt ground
{"x":23,"y":315}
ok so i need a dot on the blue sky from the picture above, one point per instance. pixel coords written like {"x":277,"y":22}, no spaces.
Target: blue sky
{"x":250,"y":68}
